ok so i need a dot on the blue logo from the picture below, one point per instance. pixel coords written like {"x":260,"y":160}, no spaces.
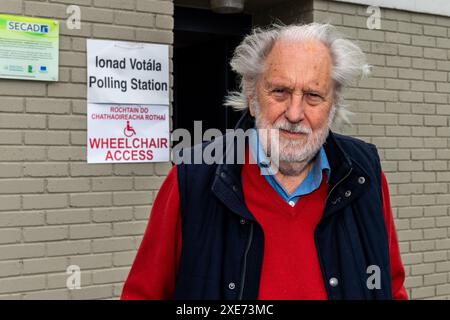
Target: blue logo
{"x":44,"y":28}
{"x":43,"y":69}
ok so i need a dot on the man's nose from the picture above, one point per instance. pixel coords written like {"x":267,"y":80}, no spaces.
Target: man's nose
{"x":295,"y":111}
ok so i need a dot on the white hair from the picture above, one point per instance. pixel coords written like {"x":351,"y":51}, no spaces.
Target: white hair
{"x":348,"y":60}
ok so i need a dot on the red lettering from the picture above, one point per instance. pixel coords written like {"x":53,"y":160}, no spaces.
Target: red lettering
{"x":129,"y":155}
{"x":94,"y":143}
{"x":109,"y":156}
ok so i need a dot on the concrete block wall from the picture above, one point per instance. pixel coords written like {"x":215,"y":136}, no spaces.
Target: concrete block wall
{"x":55,"y":209}
{"x":404,"y":108}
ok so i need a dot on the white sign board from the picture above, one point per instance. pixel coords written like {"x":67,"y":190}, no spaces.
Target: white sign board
{"x":127,"y":72}
{"x":128,"y":133}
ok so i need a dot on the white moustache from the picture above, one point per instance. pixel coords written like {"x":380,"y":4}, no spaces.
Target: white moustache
{"x":294,"y":128}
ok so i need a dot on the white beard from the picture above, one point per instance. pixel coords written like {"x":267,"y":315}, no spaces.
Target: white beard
{"x":293,"y":155}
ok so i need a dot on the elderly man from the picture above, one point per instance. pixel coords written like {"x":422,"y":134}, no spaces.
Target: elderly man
{"x":317,"y":226}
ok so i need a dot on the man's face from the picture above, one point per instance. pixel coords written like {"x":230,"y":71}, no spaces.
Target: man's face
{"x":295,"y":95}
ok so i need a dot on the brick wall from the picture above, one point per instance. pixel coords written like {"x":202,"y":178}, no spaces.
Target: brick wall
{"x":55,"y":209}
{"x":404,"y":109}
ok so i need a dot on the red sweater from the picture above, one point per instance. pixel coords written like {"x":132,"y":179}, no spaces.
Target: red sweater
{"x":290,"y":267}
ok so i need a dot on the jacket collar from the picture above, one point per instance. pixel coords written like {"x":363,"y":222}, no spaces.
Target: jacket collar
{"x":227,"y":183}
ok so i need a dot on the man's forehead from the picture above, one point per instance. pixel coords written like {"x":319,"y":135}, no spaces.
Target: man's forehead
{"x":311,"y":55}
{"x":289,"y":60}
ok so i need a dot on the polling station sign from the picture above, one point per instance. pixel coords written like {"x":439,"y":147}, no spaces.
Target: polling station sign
{"x":29,"y":48}
{"x":128,"y":133}
{"x":127,"y":72}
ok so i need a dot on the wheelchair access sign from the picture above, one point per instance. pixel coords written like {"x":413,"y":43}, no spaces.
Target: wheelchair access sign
{"x":128,"y":133}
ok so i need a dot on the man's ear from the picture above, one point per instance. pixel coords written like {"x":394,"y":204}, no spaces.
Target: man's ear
{"x":251,"y":105}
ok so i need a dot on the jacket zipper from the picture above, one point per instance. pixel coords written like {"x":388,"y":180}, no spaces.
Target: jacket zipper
{"x":241,"y":292}
{"x":315,"y":239}
{"x":329,"y":193}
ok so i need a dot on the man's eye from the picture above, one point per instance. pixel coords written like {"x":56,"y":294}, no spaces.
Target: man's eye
{"x":279,"y":94}
{"x":314,"y":96}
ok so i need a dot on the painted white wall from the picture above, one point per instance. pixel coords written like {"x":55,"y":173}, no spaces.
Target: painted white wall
{"x":438,"y":7}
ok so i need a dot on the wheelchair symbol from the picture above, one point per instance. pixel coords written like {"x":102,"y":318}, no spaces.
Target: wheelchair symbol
{"x":129,"y":130}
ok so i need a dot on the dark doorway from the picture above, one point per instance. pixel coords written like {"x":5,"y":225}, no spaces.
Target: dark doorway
{"x":203,"y":45}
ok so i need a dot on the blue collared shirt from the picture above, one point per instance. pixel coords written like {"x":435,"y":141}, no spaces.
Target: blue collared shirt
{"x":311,"y":182}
